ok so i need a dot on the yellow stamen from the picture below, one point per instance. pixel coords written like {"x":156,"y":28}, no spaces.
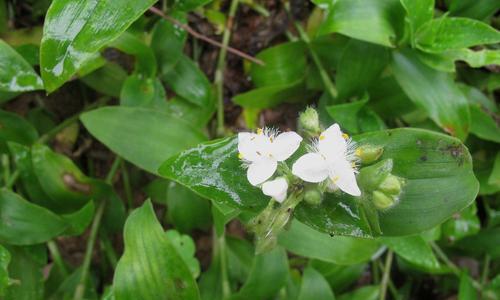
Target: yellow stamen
{"x":335,"y":179}
{"x":345,"y":136}
{"x":353,"y":165}
{"x":240,"y":156}
{"x":260,"y":131}
{"x":271,"y":139}
{"x":358,"y":152}
{"x":321,"y":137}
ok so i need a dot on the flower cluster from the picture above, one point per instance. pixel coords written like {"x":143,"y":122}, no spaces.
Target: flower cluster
{"x":330,"y":160}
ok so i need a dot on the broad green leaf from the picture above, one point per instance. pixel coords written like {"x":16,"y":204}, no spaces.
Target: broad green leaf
{"x":487,"y":241}
{"x":66,"y":289}
{"x":374,"y":21}
{"x":367,"y":292}
{"x":462,"y":224}
{"x":168,"y":41}
{"x":388,"y":99}
{"x":483,"y":125}
{"x":189,"y":5}
{"x":79,"y":220}
{"x":314,"y":286}
{"x":418,"y":13}
{"x":75,"y":30}
{"x":24,"y":223}
{"x":415,"y":250}
{"x":187,"y":80}
{"x":270,"y":96}
{"x":240,"y":255}
{"x":61,"y":180}
{"x":339,"y":277}
{"x":466,"y":290}
{"x":494,"y":178}
{"x":4,"y":272}
{"x":16,"y":129}
{"x":107,"y":80}
{"x":186,"y":210}
{"x":16,"y":74}
{"x":283,"y":64}
{"x":433,"y":91}
{"x":347,"y":114}
{"x":448,"y":33}
{"x":194,"y":114}
{"x":26,"y":272}
{"x":143,"y":92}
{"x":150,"y":267}
{"x":445,"y":61}
{"x":360,"y":64}
{"x":302,"y":240}
{"x":479,"y":10}
{"x":145,"y":60}
{"x":122,"y":129}
{"x":437,"y":170}
{"x":267,"y":276}
{"x":186,"y":248}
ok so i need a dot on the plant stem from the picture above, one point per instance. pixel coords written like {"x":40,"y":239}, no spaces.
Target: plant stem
{"x":107,"y":247}
{"x":392,"y":287}
{"x":56,"y":256}
{"x":12,"y":179}
{"x":80,"y":288}
{"x":226,"y":289}
{"x":385,"y":276}
{"x":126,"y":185}
{"x":330,"y":87}
{"x":6,"y":168}
{"x":486,"y":269}
{"x":221,"y":65}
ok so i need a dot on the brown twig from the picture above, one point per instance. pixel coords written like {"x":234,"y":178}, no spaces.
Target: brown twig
{"x":200,"y":36}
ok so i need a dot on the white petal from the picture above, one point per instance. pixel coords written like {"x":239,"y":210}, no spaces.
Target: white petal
{"x":253,"y":147}
{"x":332,"y":143}
{"x":261,"y":170}
{"x":311,"y":167}
{"x":285,"y":145}
{"x":342,"y":175}
{"x":276,"y":188}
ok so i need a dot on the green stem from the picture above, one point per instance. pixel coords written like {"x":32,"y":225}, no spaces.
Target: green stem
{"x":6,"y":168}
{"x":107,"y":247}
{"x":392,"y":287}
{"x":330,"y":87}
{"x":221,"y":65}
{"x":56,"y":256}
{"x":12,"y":179}
{"x":54,"y":131}
{"x":486,"y":269}
{"x":385,"y":276}
{"x":126,"y":185}
{"x":226,"y":289}
{"x":80,"y":288}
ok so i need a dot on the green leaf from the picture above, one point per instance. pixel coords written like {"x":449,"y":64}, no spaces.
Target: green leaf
{"x":168,"y":41}
{"x":145,"y":60}
{"x":361,"y":63}
{"x":4,"y":272}
{"x":347,"y":114}
{"x":483,"y":125}
{"x":465,"y":223}
{"x":269,"y":273}
{"x":122,"y":129}
{"x":79,"y":220}
{"x":186,"y":210}
{"x":189,"y":5}
{"x":445,"y":61}
{"x":283,"y":64}
{"x":433,"y":91}
{"x":479,"y":10}
{"x":418,"y":13}
{"x":487,"y":241}
{"x":374,"y":21}
{"x":107,"y":80}
{"x":339,"y":277}
{"x":270,"y":96}
{"x":437,"y":170}
{"x":26,"y":272}
{"x":185,"y":247}
{"x":16,"y":129}
{"x":67,"y":187}
{"x":74,"y":31}
{"x":16,"y":74}
{"x":24,"y":223}
{"x":494,"y":178}
{"x":314,"y":286}
{"x":368,"y":292}
{"x":150,"y":267}
{"x":466,"y":290}
{"x":143,"y":92}
{"x":455,"y":33}
{"x":415,"y":250}
{"x":194,"y":114}
{"x":189,"y":82}
{"x":303,"y":240}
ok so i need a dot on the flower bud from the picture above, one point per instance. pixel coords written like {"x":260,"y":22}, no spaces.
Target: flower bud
{"x":383,"y":201}
{"x":369,"y":153}
{"x":309,"y":122}
{"x":312,"y":196}
{"x":371,"y":177}
{"x":391,"y":185}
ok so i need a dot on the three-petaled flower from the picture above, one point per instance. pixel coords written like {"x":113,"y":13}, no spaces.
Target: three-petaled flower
{"x":276,"y":188}
{"x":263,"y":150}
{"x":333,"y":158}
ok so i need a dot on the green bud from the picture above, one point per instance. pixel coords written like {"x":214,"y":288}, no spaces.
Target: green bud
{"x":369,"y":153}
{"x":312,"y":196}
{"x":383,"y":201}
{"x":391,"y":185}
{"x":369,"y":178}
{"x":309,"y":122}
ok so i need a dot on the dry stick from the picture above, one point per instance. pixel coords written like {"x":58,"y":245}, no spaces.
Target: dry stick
{"x":200,"y":36}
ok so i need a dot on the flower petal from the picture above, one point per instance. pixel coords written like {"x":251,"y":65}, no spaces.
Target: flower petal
{"x":342,"y":175}
{"x":276,"y":188}
{"x":285,"y":145}
{"x":253,"y":147}
{"x":311,"y":167}
{"x":261,"y":170}
{"x":332,"y":143}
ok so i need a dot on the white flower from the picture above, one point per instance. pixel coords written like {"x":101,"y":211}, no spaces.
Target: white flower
{"x":332,"y":157}
{"x":276,"y":188}
{"x":263,"y":150}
